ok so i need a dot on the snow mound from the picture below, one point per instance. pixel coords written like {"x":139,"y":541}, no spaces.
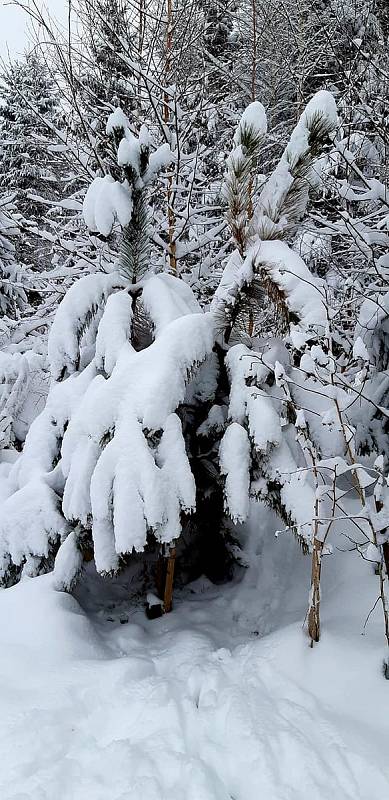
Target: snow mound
{"x":42,"y":627}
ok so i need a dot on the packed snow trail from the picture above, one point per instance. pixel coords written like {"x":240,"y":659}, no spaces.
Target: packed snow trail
{"x":193,"y":706}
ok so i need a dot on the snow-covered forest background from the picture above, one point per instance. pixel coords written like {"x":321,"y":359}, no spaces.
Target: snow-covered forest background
{"x":194,"y":450}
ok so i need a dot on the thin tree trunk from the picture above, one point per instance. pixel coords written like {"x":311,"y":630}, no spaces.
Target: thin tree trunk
{"x":169,"y":581}
{"x":250,"y":209}
{"x":314,"y":605}
{"x":166,"y":119}
{"x":314,"y":597}
{"x":141,"y":34}
{"x":383,"y":575}
{"x":160,"y":574}
{"x":164,"y":577}
{"x":384,"y":601}
{"x":385,"y":548}
{"x":254,"y":61}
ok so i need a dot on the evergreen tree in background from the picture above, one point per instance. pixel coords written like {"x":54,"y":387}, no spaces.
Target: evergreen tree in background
{"x":13,"y":282}
{"x":29,"y":106}
{"x":104,"y":78}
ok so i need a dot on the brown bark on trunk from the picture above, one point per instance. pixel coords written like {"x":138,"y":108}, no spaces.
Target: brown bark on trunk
{"x":164,"y":578}
{"x":314,"y":606}
{"x":168,"y":594}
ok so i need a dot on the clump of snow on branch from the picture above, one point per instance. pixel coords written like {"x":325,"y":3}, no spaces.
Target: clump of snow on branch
{"x":234,"y":458}
{"x":68,"y":564}
{"x":304,"y":293}
{"x":31,"y":523}
{"x":253,"y":118}
{"x":166,"y":299}
{"x":114,"y":331}
{"x":106,"y":202}
{"x":285,"y":195}
{"x":18,"y":390}
{"x":83,"y":301}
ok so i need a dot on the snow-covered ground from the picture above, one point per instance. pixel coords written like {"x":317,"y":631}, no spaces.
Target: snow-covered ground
{"x":221,"y":700}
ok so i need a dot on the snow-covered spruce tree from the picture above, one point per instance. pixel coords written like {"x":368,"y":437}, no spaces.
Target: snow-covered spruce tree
{"x":13,"y":278}
{"x":19,"y":390}
{"x":33,"y":232}
{"x":30,"y":165}
{"x":112,"y":458}
{"x":111,"y":33}
{"x":346,"y":228}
